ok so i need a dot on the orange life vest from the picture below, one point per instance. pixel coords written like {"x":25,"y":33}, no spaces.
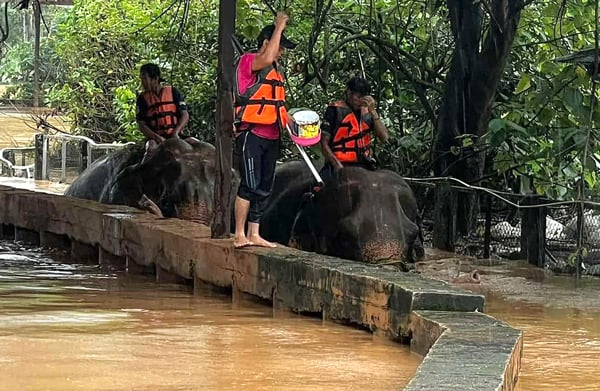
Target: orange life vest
{"x":263,"y":103}
{"x":352,"y":137}
{"x":162,"y":111}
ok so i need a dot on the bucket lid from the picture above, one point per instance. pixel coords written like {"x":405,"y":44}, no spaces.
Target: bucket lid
{"x":304,"y":117}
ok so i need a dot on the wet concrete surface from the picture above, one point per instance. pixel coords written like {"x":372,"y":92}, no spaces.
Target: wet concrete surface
{"x":473,"y":352}
{"x":38,"y":186}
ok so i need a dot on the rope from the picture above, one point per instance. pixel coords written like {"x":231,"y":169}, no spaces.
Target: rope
{"x":497,"y":194}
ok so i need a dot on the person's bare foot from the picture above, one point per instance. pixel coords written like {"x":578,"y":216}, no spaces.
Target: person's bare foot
{"x":258,"y":241}
{"x":241,"y":241}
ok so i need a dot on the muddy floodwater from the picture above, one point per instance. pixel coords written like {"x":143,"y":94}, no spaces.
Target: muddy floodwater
{"x":560,"y":320}
{"x":75,"y":327}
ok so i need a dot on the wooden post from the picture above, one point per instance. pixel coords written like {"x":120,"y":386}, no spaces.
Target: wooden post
{"x":444,"y":229}
{"x":36,"y":54}
{"x":533,"y":231}
{"x":39,"y":147}
{"x":83,"y":155}
{"x":222,"y":214}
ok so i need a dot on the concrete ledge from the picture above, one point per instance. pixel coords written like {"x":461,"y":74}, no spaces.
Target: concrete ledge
{"x":345,"y":291}
{"x":464,"y":351}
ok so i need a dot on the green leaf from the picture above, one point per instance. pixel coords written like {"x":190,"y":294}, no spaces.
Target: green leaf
{"x":524,"y":84}
{"x":496,"y":124}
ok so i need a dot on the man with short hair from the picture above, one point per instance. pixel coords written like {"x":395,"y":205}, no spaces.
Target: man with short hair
{"x":161,"y":112}
{"x":347,"y":127}
{"x":260,"y":116}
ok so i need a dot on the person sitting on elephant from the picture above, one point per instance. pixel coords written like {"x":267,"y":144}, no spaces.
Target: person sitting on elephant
{"x":260,"y":116}
{"x":347,"y":127}
{"x":161,"y":112}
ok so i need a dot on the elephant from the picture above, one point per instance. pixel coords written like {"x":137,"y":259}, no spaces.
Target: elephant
{"x":177,"y":180}
{"x":361,"y":215}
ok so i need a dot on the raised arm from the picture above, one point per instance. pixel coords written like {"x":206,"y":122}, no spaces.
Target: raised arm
{"x":378,"y":126}
{"x":269,"y":54}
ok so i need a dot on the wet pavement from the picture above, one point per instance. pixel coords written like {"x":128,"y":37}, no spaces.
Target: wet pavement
{"x":38,"y":186}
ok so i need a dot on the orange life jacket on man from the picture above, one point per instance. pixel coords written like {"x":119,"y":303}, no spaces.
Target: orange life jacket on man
{"x":162,"y":111}
{"x":352,"y":137}
{"x":263,"y":102}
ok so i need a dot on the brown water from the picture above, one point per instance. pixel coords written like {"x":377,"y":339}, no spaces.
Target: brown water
{"x":74,"y":327}
{"x":18,"y":127}
{"x":560,"y":320}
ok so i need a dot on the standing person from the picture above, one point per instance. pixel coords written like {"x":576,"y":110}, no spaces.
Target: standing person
{"x":260,"y":116}
{"x":347,"y":128}
{"x":161,"y":112}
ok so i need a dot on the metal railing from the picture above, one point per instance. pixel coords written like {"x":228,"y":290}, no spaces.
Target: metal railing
{"x":43,"y":155}
{"x":91,"y":145}
{"x":12,"y":167}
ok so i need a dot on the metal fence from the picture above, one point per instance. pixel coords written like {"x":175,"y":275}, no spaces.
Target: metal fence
{"x":57,"y":157}
{"x":511,"y":226}
{"x":61,"y":156}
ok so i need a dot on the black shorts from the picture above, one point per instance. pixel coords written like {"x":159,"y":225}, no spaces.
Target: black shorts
{"x":257,"y":158}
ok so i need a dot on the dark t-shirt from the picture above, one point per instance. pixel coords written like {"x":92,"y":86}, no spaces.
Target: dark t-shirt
{"x":142,"y":106}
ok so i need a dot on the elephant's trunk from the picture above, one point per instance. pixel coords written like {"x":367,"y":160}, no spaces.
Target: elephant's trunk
{"x":378,"y":250}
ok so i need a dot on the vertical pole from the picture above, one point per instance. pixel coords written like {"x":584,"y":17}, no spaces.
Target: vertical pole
{"x":444,"y":231}
{"x":222,"y":200}
{"x":580,"y":234}
{"x":487,"y":236}
{"x":39,"y":152}
{"x":83,"y":156}
{"x":63,"y":161}
{"x":36,"y":54}
{"x":45,"y":157}
{"x":89,"y":154}
{"x":533,"y":231}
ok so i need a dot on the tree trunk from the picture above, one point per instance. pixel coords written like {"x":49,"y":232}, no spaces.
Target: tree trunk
{"x":36,"y":55}
{"x":222,"y":211}
{"x":470,"y":89}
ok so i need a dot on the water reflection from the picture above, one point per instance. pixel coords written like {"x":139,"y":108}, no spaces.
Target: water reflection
{"x":73,"y":327}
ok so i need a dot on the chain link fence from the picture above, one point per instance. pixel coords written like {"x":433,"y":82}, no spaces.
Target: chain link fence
{"x":508,"y":226}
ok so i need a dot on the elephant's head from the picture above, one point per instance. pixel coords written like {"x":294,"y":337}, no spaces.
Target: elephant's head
{"x":178,"y":179}
{"x":362,"y":215}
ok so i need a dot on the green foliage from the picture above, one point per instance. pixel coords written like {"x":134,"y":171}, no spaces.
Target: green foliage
{"x":17,"y":63}
{"x":539,"y":125}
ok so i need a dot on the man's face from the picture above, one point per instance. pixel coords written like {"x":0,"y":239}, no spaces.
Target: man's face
{"x":146,"y":81}
{"x":354,"y":99}
{"x":280,"y":52}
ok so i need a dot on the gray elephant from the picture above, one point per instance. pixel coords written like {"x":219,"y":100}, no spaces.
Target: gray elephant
{"x":362,"y":215}
{"x":176,"y":181}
